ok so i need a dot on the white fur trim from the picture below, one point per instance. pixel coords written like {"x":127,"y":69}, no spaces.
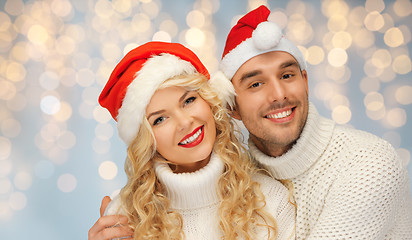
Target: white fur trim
{"x":224,"y":88}
{"x":247,"y":49}
{"x":154,"y":72}
{"x":266,"y":35}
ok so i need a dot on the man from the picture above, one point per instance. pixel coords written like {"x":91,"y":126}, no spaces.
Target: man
{"x":347,"y":184}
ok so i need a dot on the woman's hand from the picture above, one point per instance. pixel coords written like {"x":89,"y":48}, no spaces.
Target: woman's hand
{"x":110,"y":227}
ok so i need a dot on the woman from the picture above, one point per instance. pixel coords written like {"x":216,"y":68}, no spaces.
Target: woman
{"x":188,"y":176}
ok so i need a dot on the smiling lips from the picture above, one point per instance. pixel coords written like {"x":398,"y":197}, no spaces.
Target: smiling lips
{"x":281,"y":116}
{"x":193,"y":139}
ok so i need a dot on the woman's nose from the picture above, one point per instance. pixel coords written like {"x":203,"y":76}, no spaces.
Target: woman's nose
{"x":184,"y":120}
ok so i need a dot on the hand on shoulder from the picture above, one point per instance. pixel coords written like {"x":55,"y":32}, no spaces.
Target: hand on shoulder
{"x":110,"y":226}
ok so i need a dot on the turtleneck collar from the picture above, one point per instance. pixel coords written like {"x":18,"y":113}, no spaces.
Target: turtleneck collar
{"x":312,"y":142}
{"x":191,"y":190}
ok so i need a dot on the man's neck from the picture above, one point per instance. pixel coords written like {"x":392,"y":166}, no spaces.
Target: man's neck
{"x":269,"y":148}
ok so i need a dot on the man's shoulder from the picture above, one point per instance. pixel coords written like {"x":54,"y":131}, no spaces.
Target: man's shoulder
{"x":365,"y":150}
{"x":358,"y":139}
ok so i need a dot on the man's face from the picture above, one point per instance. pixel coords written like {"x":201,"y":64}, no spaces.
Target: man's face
{"x":272,"y":100}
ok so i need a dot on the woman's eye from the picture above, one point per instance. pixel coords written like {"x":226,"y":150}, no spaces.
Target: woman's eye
{"x":257,"y":84}
{"x":190,"y":100}
{"x":158,"y":120}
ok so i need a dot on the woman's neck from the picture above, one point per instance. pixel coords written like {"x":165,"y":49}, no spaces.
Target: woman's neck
{"x":189,"y":167}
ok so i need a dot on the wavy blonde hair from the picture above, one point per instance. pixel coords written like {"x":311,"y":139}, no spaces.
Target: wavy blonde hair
{"x":241,"y":210}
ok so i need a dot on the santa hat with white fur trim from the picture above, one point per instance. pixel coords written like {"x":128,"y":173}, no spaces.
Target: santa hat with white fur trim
{"x":251,"y":36}
{"x":138,"y":75}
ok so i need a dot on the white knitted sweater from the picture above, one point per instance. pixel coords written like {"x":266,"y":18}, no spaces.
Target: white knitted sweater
{"x":195,"y":197}
{"x":348,"y":184}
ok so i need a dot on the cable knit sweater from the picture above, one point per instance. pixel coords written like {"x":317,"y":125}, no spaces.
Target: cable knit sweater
{"x":195,"y":197}
{"x":348,"y":184}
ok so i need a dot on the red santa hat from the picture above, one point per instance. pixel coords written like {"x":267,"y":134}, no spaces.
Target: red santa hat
{"x":139,"y":74}
{"x":251,"y":36}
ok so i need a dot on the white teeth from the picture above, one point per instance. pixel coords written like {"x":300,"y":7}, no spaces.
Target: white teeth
{"x":280,"y":114}
{"x":192,"y":138}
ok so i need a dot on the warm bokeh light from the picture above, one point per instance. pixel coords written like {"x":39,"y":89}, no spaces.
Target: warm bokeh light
{"x":337,"y":23}
{"x":5,"y":148}
{"x":402,"y":8}
{"x":170,"y":27}
{"x":364,"y":38}
{"x":50,"y":105}
{"x":374,"y":21}
{"x":23,"y":180}
{"x":396,"y":117}
{"x":38,"y":34}
{"x":393,"y":37}
{"x":341,"y":114}
{"x":342,"y":40}
{"x":15,"y":72}
{"x":10,"y":127}
{"x":195,"y":19}
{"x":161,"y":36}
{"x":107,"y":170}
{"x":315,"y":55}
{"x":279,"y":17}
{"x":195,"y":37}
{"x":66,"y":183}
{"x":404,"y":95}
{"x":337,"y":57}
{"x":381,"y":58}
{"x":402,"y":64}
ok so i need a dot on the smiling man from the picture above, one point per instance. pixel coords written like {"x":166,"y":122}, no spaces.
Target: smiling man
{"x":347,"y":184}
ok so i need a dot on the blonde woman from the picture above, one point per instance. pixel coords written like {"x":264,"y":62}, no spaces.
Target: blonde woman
{"x":188,"y":176}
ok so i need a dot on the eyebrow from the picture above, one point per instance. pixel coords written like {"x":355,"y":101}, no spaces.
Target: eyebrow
{"x":183,"y":96}
{"x":155,"y":113}
{"x":289,"y":64}
{"x":162,"y":111}
{"x":249,"y":75}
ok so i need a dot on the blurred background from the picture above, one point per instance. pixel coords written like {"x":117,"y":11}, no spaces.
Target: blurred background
{"x":59,"y":150}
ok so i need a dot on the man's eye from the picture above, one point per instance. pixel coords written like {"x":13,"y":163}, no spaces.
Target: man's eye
{"x":257,"y":84}
{"x":158,"y":120}
{"x":190,"y":100}
{"x":286,"y":76}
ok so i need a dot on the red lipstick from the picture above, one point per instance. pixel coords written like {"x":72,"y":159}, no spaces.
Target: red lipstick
{"x":196,"y":141}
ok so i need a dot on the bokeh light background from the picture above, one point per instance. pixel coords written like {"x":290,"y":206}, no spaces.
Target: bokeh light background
{"x":59,"y":150}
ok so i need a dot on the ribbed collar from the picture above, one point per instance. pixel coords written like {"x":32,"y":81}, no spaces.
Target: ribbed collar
{"x":313,"y":141}
{"x":191,"y":190}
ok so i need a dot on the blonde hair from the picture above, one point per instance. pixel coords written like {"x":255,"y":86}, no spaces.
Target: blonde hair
{"x":241,"y":210}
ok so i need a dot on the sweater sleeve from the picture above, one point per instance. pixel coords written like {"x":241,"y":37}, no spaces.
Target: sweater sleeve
{"x":369,"y":199}
{"x":278,"y":204}
{"x":114,"y":207}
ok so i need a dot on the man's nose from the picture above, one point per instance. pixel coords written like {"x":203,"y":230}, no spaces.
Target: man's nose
{"x":276,"y":90}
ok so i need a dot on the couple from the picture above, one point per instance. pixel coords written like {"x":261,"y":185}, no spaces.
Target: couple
{"x":188,"y":175}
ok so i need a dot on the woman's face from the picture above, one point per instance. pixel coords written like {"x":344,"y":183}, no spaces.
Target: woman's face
{"x":183,"y":126}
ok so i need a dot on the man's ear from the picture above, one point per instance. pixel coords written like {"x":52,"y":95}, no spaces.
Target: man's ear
{"x":235,"y":113}
{"x":305,"y":78}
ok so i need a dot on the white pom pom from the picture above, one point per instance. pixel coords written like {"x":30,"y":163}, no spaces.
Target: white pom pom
{"x":266,"y":36}
{"x":224,"y":88}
